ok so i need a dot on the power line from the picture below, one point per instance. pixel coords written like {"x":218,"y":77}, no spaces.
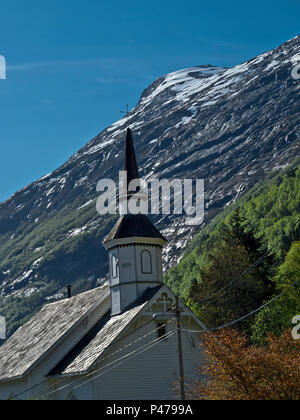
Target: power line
{"x":134,"y":353}
{"x":155,"y":342}
{"x":257,"y":310}
{"x":241,"y":276}
{"x":229,"y":324}
{"x":29,"y":389}
{"x":138,"y":329}
{"x":95,"y":371}
{"x":110,"y":355}
{"x":230,"y":285}
{"x":150,"y":345}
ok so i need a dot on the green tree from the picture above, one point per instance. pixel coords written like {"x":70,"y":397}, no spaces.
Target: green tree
{"x":278,"y":316}
{"x":238,"y":250}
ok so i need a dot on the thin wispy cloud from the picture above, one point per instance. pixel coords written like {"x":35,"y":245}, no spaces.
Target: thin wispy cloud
{"x":101,"y":71}
{"x":96,"y":63}
{"x":105,"y":63}
{"x":30,"y":66}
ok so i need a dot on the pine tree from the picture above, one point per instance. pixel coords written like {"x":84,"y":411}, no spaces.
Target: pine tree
{"x":278,"y":317}
{"x":238,"y":250}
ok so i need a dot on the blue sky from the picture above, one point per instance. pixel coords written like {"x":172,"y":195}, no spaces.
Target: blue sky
{"x":72,"y":65}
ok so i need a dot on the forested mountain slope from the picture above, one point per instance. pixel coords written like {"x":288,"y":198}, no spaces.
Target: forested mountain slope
{"x":271,"y":210}
{"x":230,"y":127}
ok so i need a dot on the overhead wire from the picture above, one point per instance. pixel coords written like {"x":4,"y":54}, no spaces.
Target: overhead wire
{"x":112,"y":365}
{"x":245,"y":316}
{"x":230,"y":285}
{"x":108,"y":356}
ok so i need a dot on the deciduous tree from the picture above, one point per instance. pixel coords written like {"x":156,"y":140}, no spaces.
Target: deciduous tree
{"x":234,"y":370}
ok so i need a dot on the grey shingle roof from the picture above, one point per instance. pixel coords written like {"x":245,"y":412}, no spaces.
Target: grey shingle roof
{"x":82,"y":357}
{"x":105,"y":337}
{"x":43,"y":331}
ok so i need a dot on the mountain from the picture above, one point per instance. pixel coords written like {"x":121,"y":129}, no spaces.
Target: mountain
{"x":230,"y":127}
{"x":271,"y":209}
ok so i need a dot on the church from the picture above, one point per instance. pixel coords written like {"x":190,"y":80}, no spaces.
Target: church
{"x":116,"y":342}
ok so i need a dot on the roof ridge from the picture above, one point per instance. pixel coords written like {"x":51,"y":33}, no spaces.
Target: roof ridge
{"x":21,"y":352}
{"x":76,"y":296}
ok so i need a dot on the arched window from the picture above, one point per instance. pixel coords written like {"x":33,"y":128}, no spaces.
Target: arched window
{"x":146,"y":262}
{"x":114,"y":266}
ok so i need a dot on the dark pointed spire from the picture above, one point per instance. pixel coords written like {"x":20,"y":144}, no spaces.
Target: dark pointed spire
{"x":133,"y":225}
{"x":130,"y":159}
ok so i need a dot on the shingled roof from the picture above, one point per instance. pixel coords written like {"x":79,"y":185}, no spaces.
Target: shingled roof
{"x":82,"y":357}
{"x":134,"y":226}
{"x":82,"y":362}
{"x":42,"y":332}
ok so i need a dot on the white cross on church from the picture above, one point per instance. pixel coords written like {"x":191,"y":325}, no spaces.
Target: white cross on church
{"x":165,"y":301}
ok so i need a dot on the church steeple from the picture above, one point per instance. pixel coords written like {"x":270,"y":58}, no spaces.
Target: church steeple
{"x":134,"y":247}
{"x":130,"y":165}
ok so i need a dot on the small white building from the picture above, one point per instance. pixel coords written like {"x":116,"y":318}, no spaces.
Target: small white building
{"x":107,"y":343}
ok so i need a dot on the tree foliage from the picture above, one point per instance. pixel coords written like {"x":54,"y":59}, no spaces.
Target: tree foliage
{"x":235,"y":370}
{"x":271,"y":209}
{"x":239,"y":250}
{"x":278,"y":316}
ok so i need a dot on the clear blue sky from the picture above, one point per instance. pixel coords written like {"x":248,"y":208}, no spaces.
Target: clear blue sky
{"x":74,"y":64}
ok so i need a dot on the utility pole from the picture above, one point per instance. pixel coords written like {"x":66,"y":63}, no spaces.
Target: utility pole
{"x":176,"y":311}
{"x":180,"y":352}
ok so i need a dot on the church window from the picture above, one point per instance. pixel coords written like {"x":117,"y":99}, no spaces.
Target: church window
{"x":114,"y":266}
{"x":146,"y":262}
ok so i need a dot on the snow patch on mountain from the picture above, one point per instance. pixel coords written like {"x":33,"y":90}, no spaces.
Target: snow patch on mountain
{"x":227,"y":126}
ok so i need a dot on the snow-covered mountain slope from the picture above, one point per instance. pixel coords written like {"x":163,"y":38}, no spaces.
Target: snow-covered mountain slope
{"x":228,"y":126}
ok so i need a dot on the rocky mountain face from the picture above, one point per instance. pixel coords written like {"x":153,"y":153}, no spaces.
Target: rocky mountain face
{"x":229,"y":127}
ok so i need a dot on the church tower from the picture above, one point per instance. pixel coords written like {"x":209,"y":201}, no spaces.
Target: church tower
{"x":134,"y":247}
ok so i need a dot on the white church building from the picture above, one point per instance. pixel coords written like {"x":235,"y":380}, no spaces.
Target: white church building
{"x":116,"y":342}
